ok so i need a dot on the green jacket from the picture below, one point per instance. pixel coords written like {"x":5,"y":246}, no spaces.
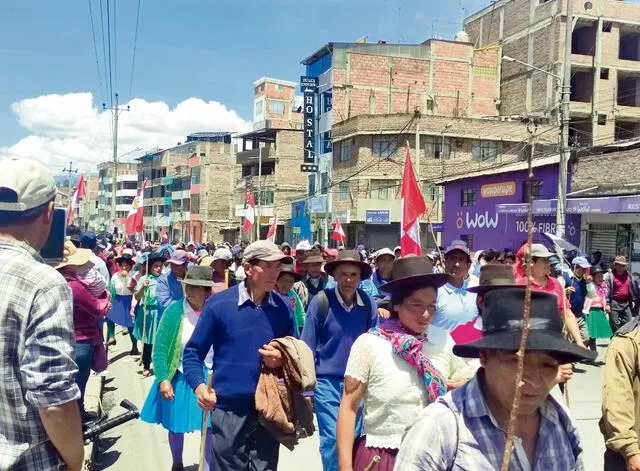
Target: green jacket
{"x":167,"y":348}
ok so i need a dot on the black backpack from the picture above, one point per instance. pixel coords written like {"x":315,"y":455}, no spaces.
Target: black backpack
{"x":323,"y":308}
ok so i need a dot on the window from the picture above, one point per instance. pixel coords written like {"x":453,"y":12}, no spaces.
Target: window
{"x":431,"y":192}
{"x":312,"y":184}
{"x":484,"y":150}
{"x":604,"y":73}
{"x":203,"y":154}
{"x":602,"y":119}
{"x":195,"y":175}
{"x":383,"y":146}
{"x":536,"y":190}
{"x":343,"y":193}
{"x":195,"y":204}
{"x":324,"y":183}
{"x":276,"y":106}
{"x":345,"y":150}
{"x":468,"y":197}
{"x":432,"y":147}
{"x":326,"y":142}
{"x":606,"y":27}
{"x":128,"y":186}
{"x":259,"y":110}
{"x":265,"y":198}
{"x":383,"y":189}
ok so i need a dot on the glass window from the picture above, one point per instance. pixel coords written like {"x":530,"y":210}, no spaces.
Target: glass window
{"x":195,"y":204}
{"x":468,"y":197}
{"x":431,"y":192}
{"x":326,"y":142}
{"x":345,"y":150}
{"x":383,"y":189}
{"x":536,"y":190}
{"x":324,"y":183}
{"x":432,"y":147}
{"x":276,"y":107}
{"x":312,"y":184}
{"x":129,"y":185}
{"x":195,"y":175}
{"x":259,"y":110}
{"x":343,"y":194}
{"x":484,"y":150}
{"x":384,"y":146}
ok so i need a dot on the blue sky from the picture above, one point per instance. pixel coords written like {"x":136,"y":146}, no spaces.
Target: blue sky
{"x":212,"y":50}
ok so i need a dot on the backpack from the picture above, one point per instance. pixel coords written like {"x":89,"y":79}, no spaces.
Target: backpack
{"x":323,"y":308}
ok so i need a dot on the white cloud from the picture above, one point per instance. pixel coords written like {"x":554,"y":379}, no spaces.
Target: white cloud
{"x":71,"y":127}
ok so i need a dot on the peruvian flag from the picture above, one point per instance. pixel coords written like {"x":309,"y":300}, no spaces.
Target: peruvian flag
{"x":271,"y":235}
{"x":79,"y":193}
{"x":135,"y":220}
{"x":250,"y":213}
{"x":412,"y":206}
{"x":338,"y":233}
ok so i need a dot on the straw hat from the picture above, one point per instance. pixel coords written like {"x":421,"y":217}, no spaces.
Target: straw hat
{"x":74,"y":256}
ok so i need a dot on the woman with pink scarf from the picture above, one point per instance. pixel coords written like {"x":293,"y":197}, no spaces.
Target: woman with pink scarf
{"x":596,"y":307}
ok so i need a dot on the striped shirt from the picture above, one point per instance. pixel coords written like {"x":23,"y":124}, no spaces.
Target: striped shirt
{"x":37,"y":367}
{"x":458,"y":432}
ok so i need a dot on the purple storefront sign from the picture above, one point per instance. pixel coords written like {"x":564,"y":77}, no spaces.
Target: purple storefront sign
{"x":498,"y":216}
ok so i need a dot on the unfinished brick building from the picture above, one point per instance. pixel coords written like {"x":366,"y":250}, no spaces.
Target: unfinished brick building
{"x":605,"y":62}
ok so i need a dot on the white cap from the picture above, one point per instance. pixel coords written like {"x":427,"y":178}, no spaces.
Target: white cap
{"x":303,"y":245}
{"x":223,"y":253}
{"x":33,"y":184}
{"x":385,"y":251}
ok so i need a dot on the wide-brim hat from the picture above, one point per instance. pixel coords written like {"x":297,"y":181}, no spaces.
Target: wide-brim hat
{"x":289,"y":269}
{"x":206,"y":261}
{"x":315,"y":256}
{"x":494,"y":276}
{"x":413,"y":272}
{"x":620,"y":260}
{"x":154,"y":257}
{"x":349,"y":256}
{"x":595,"y":269}
{"x":198,"y":276}
{"x":125,"y":257}
{"x":73,"y":256}
{"x":502,"y":327}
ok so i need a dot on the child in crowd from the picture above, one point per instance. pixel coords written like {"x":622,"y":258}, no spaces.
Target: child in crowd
{"x":596,"y":307}
{"x":122,"y":297}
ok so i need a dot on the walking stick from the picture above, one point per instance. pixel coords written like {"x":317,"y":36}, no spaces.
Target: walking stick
{"x":203,"y":435}
{"x":372,"y":464}
{"x":144,"y":305}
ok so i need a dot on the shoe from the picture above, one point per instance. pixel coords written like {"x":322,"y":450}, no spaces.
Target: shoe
{"x":134,"y":351}
{"x":110,"y":342}
{"x":177,"y":467}
{"x":125,"y":331}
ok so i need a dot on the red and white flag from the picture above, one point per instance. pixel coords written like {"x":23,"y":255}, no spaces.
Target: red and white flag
{"x":338,"y":232}
{"x":412,"y":207}
{"x":134,"y":222}
{"x":250,"y":213}
{"x":79,"y":193}
{"x":271,"y":235}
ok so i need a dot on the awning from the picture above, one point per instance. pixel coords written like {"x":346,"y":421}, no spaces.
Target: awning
{"x":603,"y":205}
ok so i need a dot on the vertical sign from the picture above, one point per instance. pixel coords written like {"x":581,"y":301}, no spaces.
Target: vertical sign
{"x":309,"y":87}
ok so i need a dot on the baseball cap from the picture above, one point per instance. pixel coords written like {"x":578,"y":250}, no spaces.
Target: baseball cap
{"x":223,"y":253}
{"x":540,"y":251}
{"x":266,"y":251}
{"x":385,"y":251}
{"x":89,"y":240}
{"x":32,"y":183}
{"x":303,"y":245}
{"x":457,"y":245}
{"x":179,"y":257}
{"x":581,"y":262}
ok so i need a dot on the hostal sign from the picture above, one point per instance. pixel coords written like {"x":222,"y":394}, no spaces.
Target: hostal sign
{"x":309,"y":87}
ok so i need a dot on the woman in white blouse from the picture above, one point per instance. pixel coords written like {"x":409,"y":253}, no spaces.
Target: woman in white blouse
{"x":397,"y":368}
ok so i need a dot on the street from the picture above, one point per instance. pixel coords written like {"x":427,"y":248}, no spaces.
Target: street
{"x":140,"y":446}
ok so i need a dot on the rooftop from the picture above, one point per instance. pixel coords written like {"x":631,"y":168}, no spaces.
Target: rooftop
{"x":286,"y":83}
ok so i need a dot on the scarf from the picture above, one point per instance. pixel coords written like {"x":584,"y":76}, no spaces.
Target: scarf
{"x":409,"y":348}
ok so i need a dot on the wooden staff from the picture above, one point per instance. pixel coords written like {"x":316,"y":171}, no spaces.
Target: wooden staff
{"x":372,"y":464}
{"x":144,"y":304}
{"x":203,"y":434}
{"x":226,"y":278}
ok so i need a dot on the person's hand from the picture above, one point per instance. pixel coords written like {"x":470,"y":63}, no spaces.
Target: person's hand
{"x":384,"y":313}
{"x":455,"y":383}
{"x":271,"y":356}
{"x":588,"y":278}
{"x":309,"y":401}
{"x":166,"y":390}
{"x":570,"y":290}
{"x":607,"y":309}
{"x":565,"y":373}
{"x":206,"y":399}
{"x":146,"y":283}
{"x":633,"y":463}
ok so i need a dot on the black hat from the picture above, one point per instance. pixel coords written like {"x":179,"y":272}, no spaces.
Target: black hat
{"x":413,"y":271}
{"x":502,"y":327}
{"x":349,"y":256}
{"x":125,"y":257}
{"x":494,"y":276}
{"x":155,"y":257}
{"x":598,"y":268}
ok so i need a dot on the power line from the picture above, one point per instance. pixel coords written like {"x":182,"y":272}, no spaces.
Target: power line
{"x":135,"y":45}
{"x":95,"y":51}
{"x":115,"y":44}
{"x":104,"y":55}
{"x":109,"y":49}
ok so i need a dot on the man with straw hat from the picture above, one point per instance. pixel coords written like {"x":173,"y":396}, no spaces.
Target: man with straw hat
{"x":624,"y":300}
{"x":465,"y":429}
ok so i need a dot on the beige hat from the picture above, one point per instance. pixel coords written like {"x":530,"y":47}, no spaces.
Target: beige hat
{"x":266,"y":251}
{"x":33,"y":184}
{"x":74,"y":256}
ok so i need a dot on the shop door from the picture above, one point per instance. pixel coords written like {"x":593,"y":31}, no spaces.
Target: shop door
{"x":603,"y":237}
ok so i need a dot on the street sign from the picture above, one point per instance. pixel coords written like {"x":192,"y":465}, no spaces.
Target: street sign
{"x":309,"y":168}
{"x":377,"y":216}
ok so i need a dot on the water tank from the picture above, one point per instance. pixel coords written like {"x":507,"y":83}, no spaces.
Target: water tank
{"x":462,"y":37}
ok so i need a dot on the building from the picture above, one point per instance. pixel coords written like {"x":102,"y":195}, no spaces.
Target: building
{"x":275,"y":104}
{"x":605,"y":63}
{"x":126,"y":191}
{"x":368,"y":160}
{"x":88,"y":209}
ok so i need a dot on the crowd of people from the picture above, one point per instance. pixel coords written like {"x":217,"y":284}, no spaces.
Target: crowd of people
{"x":406,"y":361}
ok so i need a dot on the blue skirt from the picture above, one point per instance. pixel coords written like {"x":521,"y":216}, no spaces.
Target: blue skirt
{"x":182,"y":415}
{"x":120,"y":312}
{"x":146,"y":326}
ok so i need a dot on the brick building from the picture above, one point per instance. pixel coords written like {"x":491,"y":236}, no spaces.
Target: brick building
{"x":605,"y":63}
{"x":126,"y":190}
{"x":275,"y":104}
{"x":89,"y":205}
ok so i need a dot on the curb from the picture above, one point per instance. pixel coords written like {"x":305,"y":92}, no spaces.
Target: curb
{"x":93,"y":404}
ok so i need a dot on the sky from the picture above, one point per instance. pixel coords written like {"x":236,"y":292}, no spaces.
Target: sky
{"x":195,"y":64}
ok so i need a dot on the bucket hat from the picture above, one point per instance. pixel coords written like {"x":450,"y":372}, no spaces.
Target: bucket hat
{"x":502,"y":327}
{"x":198,"y":276}
{"x":413,"y":271}
{"x":494,"y":277}
{"x":315,"y":256}
{"x":349,"y":256}
{"x":73,"y":256}
{"x":288,"y":269}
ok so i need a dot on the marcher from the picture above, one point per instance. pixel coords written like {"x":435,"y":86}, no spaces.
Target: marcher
{"x":171,"y":402}
{"x":596,"y":306}
{"x":148,"y":315}
{"x":286,"y":249}
{"x":239,"y":324}
{"x":335,"y":319}
{"x":284,"y":287}
{"x":397,"y":368}
{"x":223,"y":277}
{"x":169,"y":287}
{"x":464,"y":430}
{"x":89,"y":240}
{"x":314,"y":278}
{"x":623,"y":296}
{"x":576,"y":289}
{"x":384,"y":259}
{"x":40,"y":420}
{"x":121,"y":301}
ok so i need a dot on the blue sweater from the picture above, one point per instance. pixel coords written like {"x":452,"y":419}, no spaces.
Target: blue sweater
{"x":332,"y":344}
{"x":168,"y":290}
{"x":235,"y":333}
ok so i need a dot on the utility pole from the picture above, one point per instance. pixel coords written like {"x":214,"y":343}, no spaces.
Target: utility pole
{"x":565,"y":150}
{"x":116,"y":110}
{"x":70,"y":171}
{"x":259,"y":202}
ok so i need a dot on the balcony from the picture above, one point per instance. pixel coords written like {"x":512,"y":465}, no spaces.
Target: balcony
{"x":267,"y":152}
{"x":265,"y":181}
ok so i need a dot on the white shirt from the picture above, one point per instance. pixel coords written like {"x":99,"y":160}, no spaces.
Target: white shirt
{"x":188,"y":326}
{"x":99,"y":265}
{"x":121,"y":284}
{"x":395,"y":392}
{"x":358,"y":301}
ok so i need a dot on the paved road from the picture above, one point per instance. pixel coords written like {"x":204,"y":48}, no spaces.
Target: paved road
{"x":139,"y":446}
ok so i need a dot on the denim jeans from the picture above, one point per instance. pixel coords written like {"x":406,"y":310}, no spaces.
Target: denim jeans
{"x":84,"y":357}
{"x":327,"y":396}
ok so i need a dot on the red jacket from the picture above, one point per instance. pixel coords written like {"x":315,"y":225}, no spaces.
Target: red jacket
{"x":87,"y":309}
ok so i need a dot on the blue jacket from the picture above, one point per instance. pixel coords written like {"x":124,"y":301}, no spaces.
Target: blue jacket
{"x":168,"y":290}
